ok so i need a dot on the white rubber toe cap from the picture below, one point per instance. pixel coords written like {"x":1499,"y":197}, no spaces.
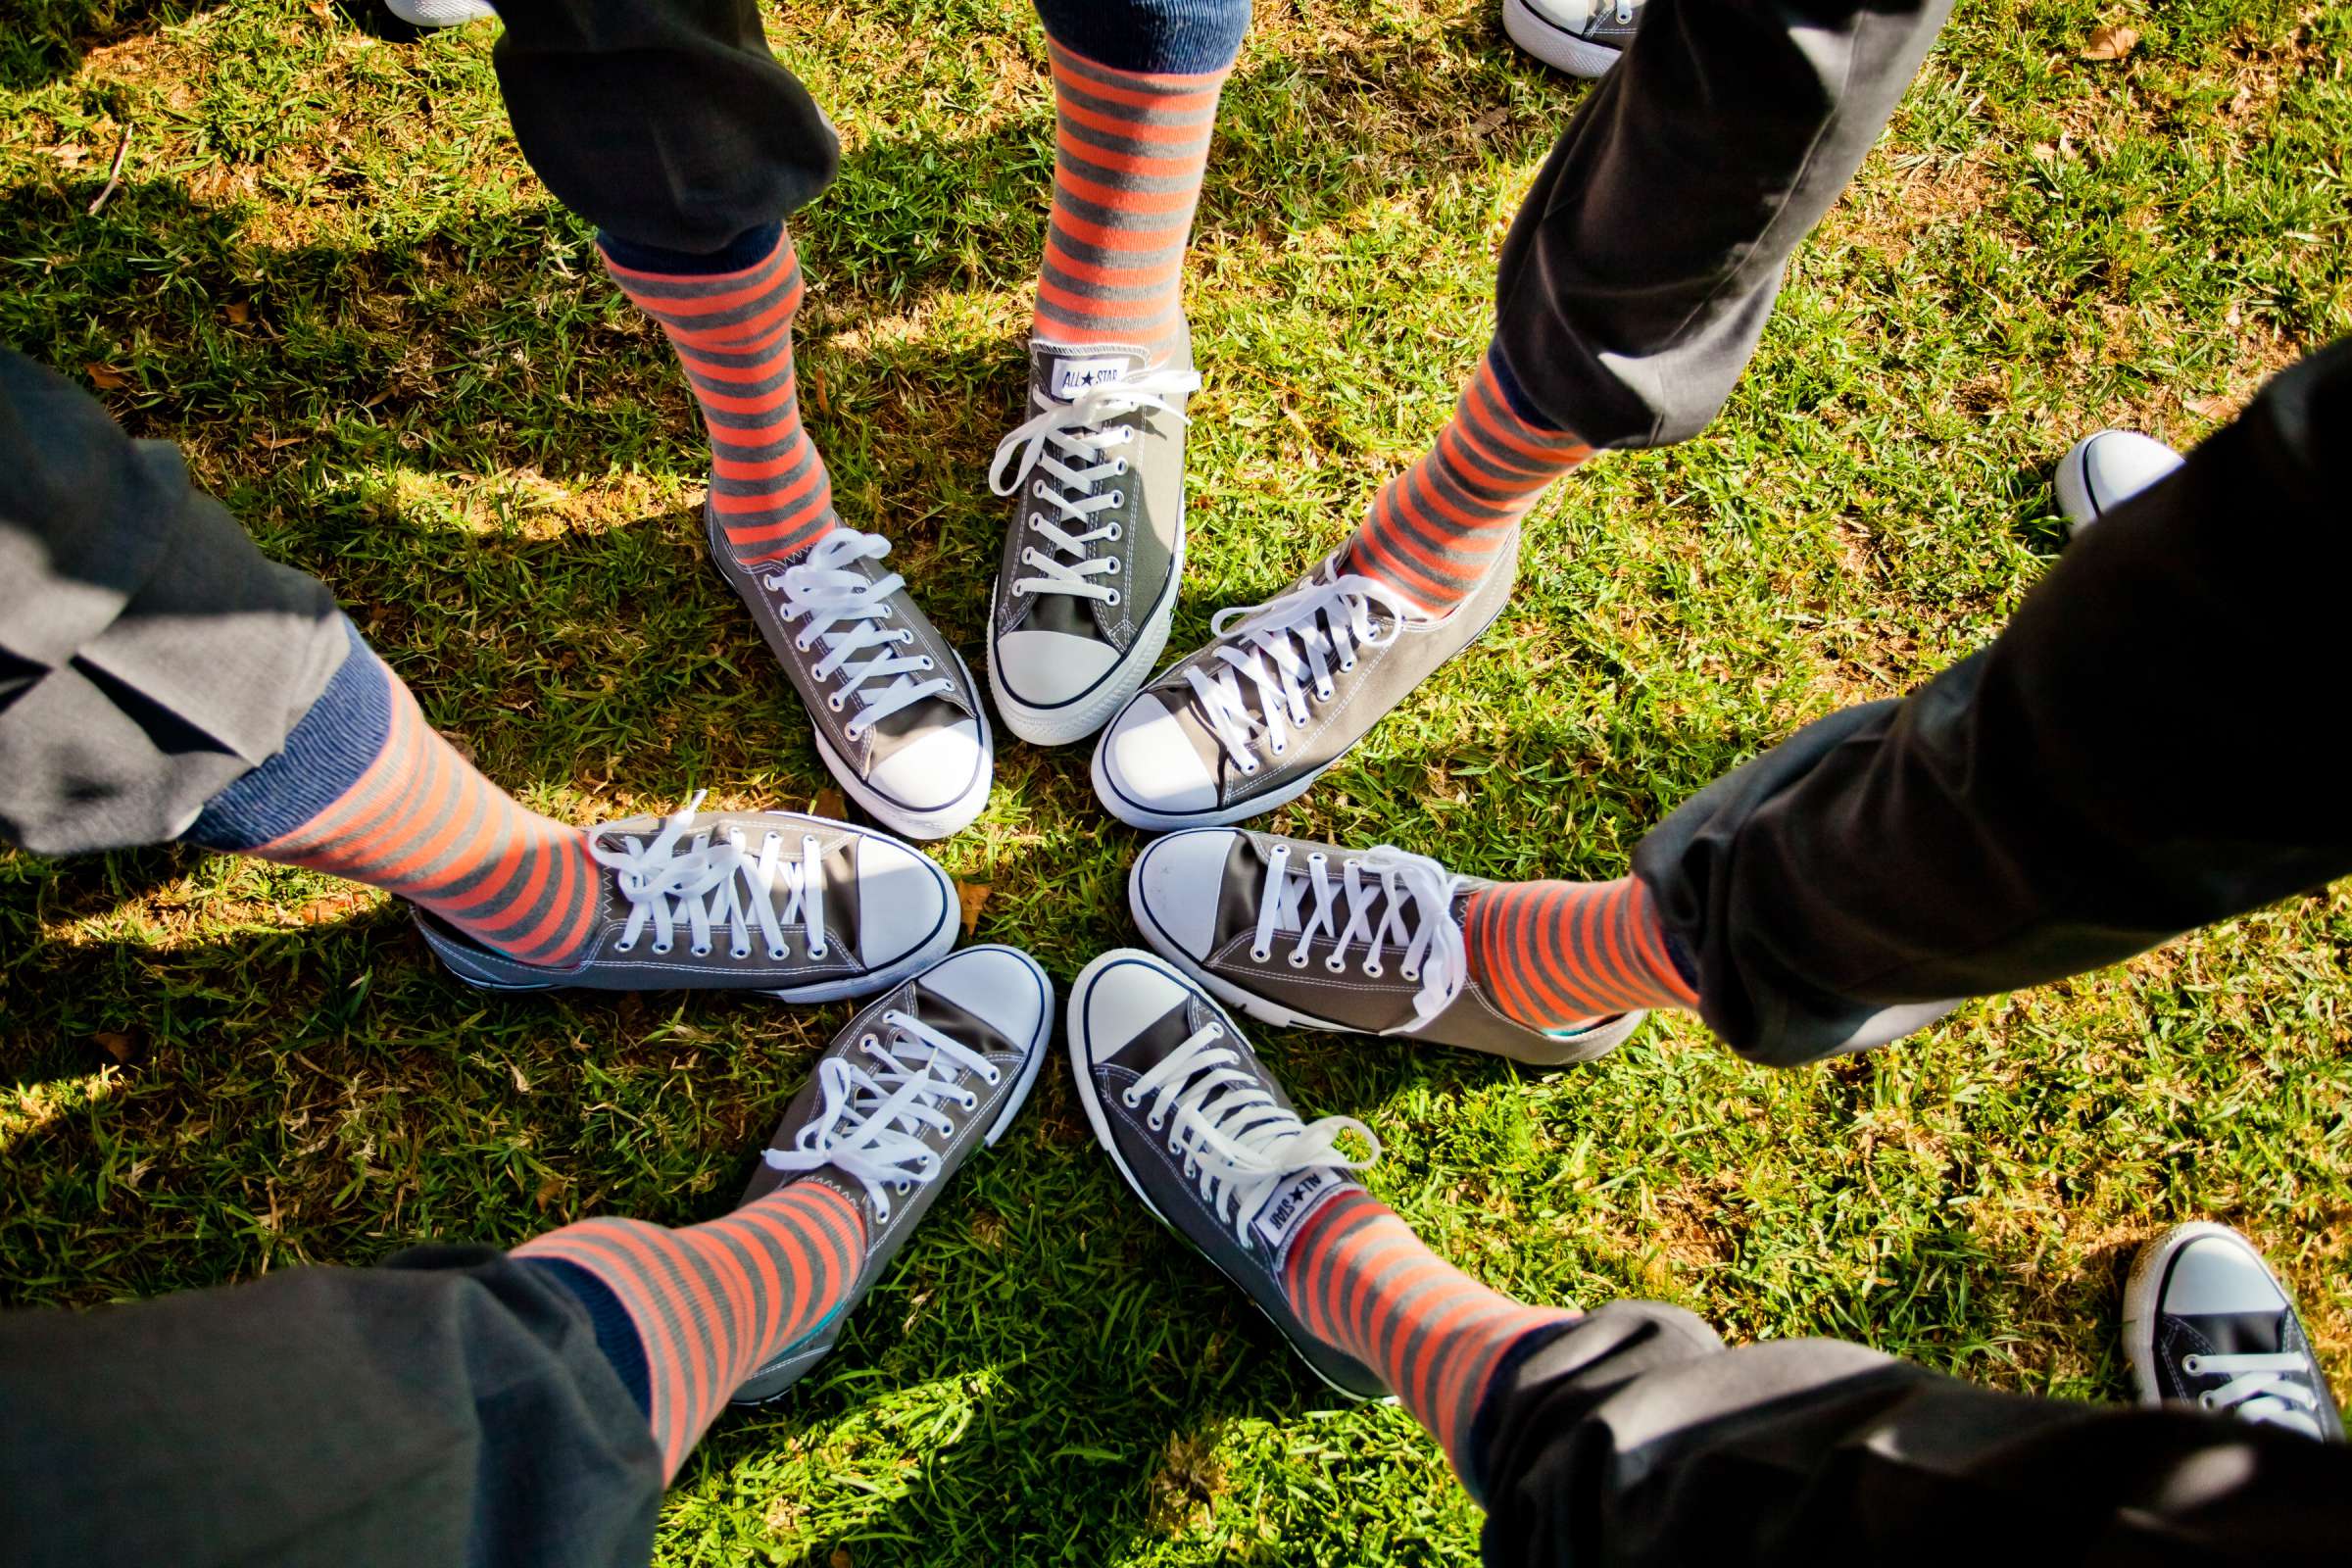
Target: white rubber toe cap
{"x":903,"y":899}
{"x":1120,"y":995}
{"x":1149,"y":759}
{"x":1003,"y":988}
{"x":937,"y":770}
{"x":2107,"y":469}
{"x":1046,"y":668}
{"x":2216,"y":1275}
{"x":1178,"y":883}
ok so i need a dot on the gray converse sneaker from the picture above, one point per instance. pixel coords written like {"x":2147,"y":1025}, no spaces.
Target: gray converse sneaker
{"x":1206,"y":1138}
{"x":1583,"y":37}
{"x":898,"y":718}
{"x":1313,"y":936}
{"x":797,"y":906}
{"x":904,"y":1094}
{"x":1096,"y":544}
{"x":1256,"y":717}
{"x":2207,"y":1323}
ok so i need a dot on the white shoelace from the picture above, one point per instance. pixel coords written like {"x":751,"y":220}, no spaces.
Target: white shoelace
{"x":708,"y":883}
{"x":822,"y":590}
{"x":872,"y":1116}
{"x":1289,"y":649}
{"x":1236,"y":1139}
{"x":1416,"y":919}
{"x":2259,"y":1388}
{"x":1064,"y":452}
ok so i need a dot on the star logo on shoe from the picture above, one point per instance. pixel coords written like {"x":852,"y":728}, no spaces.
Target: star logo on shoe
{"x":1070,"y":377}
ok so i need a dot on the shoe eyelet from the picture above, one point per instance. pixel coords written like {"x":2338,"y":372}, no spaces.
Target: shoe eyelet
{"x":851,"y":733}
{"x":1323,"y":693}
{"x":1128,"y":1098}
{"x":1114,"y":534}
{"x":928,"y":662}
{"x":902,"y":1188}
{"x":1118,"y":467}
{"x":1112,"y":598}
{"x":2192,"y":1364}
{"x":1278,"y":748}
{"x":994,"y":1078}
{"x":1298,"y":960}
{"x":1346,"y":667}
{"x":779,"y":953}
{"x":1336,"y":964}
{"x":834,"y":701}
{"x":1249,"y":770}
{"x":890,"y":612}
{"x":1261,"y":954}
{"x":1374,"y":971}
{"x":662,"y":947}
{"x":1037,"y":488}
{"x":1118,"y":498}
{"x":971,"y":1102}
{"x":1020,"y":590}
{"x":2204,"y":1402}
{"x":739,"y":953}
{"x":820,"y":954}
{"x":1156,"y":1123}
{"x":801,"y":645}
{"x":1408,"y":975}
{"x":881,"y":1213}
{"x":625,"y":946}
{"x":1113,"y":561}
{"x":1318,"y":857}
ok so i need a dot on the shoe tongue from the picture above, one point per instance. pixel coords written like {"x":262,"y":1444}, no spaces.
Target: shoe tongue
{"x":2243,"y":1332}
{"x":1063,"y":373}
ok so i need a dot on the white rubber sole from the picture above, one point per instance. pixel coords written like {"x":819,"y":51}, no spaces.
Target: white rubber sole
{"x":1610,"y":1036}
{"x":1075,"y":1038}
{"x":947,"y":821}
{"x":1064,"y":725}
{"x":1555,"y":45}
{"x":1135,"y":815}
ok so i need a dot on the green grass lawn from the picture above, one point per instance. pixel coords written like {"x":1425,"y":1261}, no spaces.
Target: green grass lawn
{"x":330,"y":277}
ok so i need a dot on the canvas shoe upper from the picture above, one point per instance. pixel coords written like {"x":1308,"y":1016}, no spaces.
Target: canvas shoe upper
{"x":2207,"y":1323}
{"x":1094,"y":545}
{"x":1285,"y":689}
{"x":1315,"y":936}
{"x":1206,"y":1138}
{"x":896,"y":716}
{"x":2106,"y":469}
{"x":1583,"y":37}
{"x":904,"y":1094}
{"x":797,"y":906}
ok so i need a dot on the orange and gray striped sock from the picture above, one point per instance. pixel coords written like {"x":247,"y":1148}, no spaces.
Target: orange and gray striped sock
{"x":364,"y":788}
{"x":1433,"y":530}
{"x":1129,"y":151}
{"x":733,"y":333}
{"x":1363,"y":1283}
{"x":710,"y":1302}
{"x":1554,"y":954}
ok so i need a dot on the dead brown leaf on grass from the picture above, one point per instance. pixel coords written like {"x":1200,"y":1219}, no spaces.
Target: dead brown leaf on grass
{"x":2111,"y":41}
{"x":974,"y":897}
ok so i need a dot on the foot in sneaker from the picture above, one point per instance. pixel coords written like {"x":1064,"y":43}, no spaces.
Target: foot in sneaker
{"x":901,"y":1098}
{"x":1583,"y":37}
{"x":896,"y":716}
{"x":797,"y":906}
{"x":2106,"y":469}
{"x":2206,"y":1322}
{"x":1206,"y":1138}
{"x":1313,"y":936}
{"x":1096,"y":543}
{"x":1252,"y":720}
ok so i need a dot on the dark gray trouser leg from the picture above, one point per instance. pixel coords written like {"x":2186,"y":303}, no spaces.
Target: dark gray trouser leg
{"x":149,"y":654}
{"x":451,"y":1407}
{"x":2153,"y":743}
{"x":667,"y":124}
{"x":1643,"y":265}
{"x":1635,"y":1438}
